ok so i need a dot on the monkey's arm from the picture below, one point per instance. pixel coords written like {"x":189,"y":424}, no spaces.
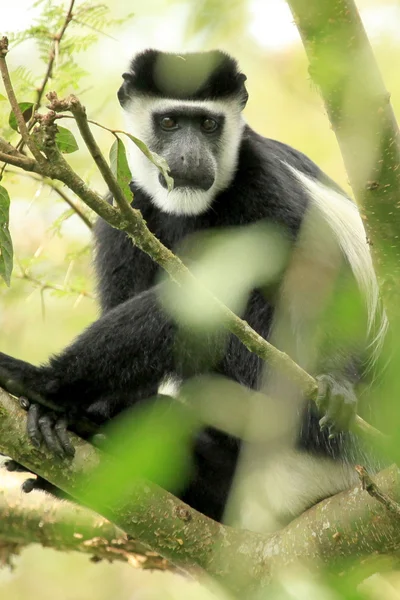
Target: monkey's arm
{"x":116,"y":356}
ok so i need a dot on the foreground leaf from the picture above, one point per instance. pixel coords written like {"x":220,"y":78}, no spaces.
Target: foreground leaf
{"x":6,"y":249}
{"x":151,"y":442}
{"x":120,"y":168}
{"x":26,"y":109}
{"x":66,"y":141}
{"x":156,"y":159}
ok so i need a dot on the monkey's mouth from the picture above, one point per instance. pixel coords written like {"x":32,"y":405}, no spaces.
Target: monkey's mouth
{"x":189,"y":183}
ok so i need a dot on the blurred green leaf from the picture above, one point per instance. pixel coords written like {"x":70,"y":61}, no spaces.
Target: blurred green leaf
{"x":66,"y":141}
{"x":147,"y":443}
{"x":214,"y":22}
{"x":156,"y":159}
{"x":26,"y":109}
{"x":6,"y":248}
{"x":2,"y":98}
{"x":120,"y":168}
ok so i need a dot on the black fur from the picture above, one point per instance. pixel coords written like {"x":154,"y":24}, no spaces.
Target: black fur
{"x":192,"y":76}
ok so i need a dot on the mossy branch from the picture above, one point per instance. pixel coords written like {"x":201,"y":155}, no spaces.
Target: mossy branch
{"x":350,"y":525}
{"x":343,"y":66}
{"x":65,"y":526}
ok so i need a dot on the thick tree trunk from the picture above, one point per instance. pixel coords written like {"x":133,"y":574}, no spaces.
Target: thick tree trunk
{"x":344,"y":68}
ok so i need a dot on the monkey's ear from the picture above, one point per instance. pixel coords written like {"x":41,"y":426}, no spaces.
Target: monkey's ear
{"x":123,"y":92}
{"x":244,"y":95}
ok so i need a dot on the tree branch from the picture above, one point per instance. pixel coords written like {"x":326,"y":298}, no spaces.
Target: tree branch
{"x":23,"y":162}
{"x":350,"y":525}
{"x":53,"y":53}
{"x":79,"y":112}
{"x":14,"y":103}
{"x":343,"y":66}
{"x":65,"y":526}
{"x":373,"y":490}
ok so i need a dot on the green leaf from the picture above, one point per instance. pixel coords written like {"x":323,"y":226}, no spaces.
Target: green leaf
{"x":2,"y":98}
{"x":26,"y":108}
{"x":6,"y":249}
{"x":66,"y":141}
{"x":156,"y":159}
{"x":120,"y":168}
{"x":149,"y":443}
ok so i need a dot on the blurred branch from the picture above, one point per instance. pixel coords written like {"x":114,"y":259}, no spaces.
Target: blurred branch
{"x":65,"y":526}
{"x":128,"y":219}
{"x":343,"y":66}
{"x":44,"y":285}
{"x":57,"y":189}
{"x":74,"y":205}
{"x":350,"y":525}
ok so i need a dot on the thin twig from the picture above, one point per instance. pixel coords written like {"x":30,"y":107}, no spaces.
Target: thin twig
{"x":70,"y":201}
{"x":99,"y":31}
{"x":54,"y":51}
{"x":9,"y":148}
{"x":44,"y":285}
{"x":78,"y":110}
{"x":23,"y":162}
{"x":374,"y":491}
{"x":52,"y":55}
{"x":14,"y":103}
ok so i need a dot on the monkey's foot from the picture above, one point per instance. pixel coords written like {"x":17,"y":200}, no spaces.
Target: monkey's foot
{"x":337,"y":402}
{"x":32,"y":483}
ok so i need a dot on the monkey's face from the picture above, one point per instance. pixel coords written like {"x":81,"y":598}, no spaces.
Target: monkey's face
{"x":199,"y":140}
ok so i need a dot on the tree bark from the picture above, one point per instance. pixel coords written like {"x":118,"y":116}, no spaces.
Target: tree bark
{"x":65,"y":526}
{"x":350,"y":525}
{"x":343,"y":66}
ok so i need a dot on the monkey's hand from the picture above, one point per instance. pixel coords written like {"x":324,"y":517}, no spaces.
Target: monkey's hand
{"x":46,"y":426}
{"x":337,"y":403}
{"x":47,"y":420}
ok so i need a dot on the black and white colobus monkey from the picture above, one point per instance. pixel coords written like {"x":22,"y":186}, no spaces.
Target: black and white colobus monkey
{"x":188,"y":108}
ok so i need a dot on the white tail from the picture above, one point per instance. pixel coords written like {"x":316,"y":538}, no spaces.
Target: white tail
{"x":344,"y":219}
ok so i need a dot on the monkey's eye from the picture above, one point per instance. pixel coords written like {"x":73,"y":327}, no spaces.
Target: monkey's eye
{"x":209,"y":125}
{"x":168,"y":123}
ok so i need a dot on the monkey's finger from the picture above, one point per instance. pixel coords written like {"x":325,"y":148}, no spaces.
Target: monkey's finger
{"x":37,"y":483}
{"x":28,"y":485}
{"x":345,"y":410}
{"x":46,"y":425}
{"x":322,"y":400}
{"x":330,"y":420}
{"x":32,"y":425}
{"x":24,"y":403}
{"x":13,"y":466}
{"x":63,"y":437}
